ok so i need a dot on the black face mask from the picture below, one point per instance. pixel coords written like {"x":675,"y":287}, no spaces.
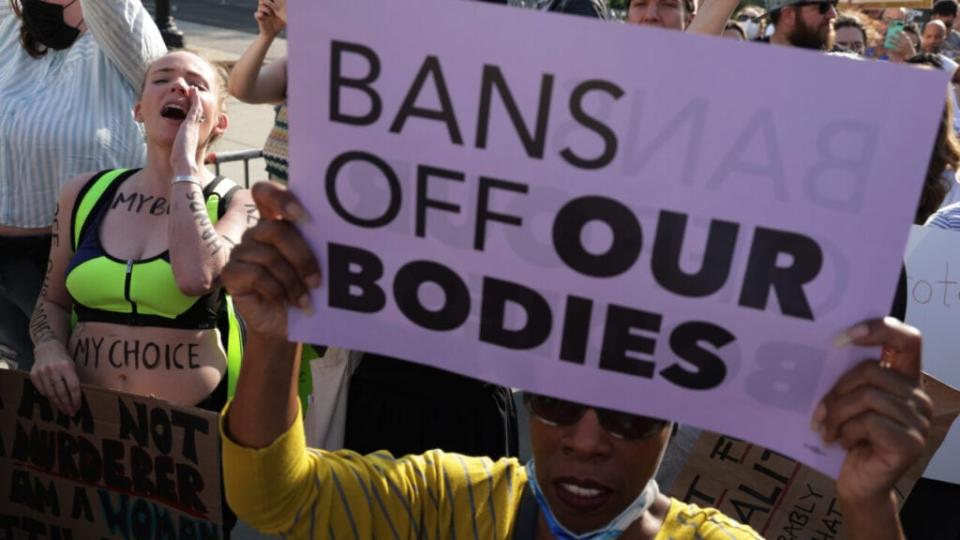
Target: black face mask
{"x":45,"y":23}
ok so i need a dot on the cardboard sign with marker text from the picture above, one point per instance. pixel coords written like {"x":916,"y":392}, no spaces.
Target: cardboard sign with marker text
{"x":124,"y":466}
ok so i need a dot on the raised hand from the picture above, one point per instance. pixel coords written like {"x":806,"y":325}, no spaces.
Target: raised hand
{"x":880,"y":414}
{"x":904,"y":50}
{"x":273,"y":267}
{"x":271,"y":16}
{"x":183,"y":157}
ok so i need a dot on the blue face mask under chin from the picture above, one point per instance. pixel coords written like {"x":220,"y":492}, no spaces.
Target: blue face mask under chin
{"x":612,"y":530}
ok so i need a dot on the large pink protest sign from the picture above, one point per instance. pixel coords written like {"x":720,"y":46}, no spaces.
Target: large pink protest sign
{"x":632,"y":218}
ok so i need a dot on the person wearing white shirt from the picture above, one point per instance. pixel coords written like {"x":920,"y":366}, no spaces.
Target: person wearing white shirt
{"x":70,"y":74}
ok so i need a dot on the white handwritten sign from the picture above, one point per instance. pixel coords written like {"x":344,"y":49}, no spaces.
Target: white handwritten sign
{"x":933,"y":306}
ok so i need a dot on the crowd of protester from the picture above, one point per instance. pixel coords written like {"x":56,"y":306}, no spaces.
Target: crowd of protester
{"x":112,"y":229}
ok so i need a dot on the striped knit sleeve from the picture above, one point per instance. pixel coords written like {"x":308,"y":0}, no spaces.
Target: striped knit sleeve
{"x":302,"y":492}
{"x":124,"y":30}
{"x":690,"y":522}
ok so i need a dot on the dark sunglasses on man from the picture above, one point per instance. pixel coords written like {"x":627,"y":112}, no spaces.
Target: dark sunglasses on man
{"x":558,"y":412}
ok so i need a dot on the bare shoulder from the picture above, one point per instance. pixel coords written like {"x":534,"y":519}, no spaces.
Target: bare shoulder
{"x":70,"y":189}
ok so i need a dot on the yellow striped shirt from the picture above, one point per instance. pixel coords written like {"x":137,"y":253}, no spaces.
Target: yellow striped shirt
{"x":302,"y":492}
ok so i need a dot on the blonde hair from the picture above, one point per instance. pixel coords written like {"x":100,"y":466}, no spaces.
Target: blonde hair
{"x":220,"y":74}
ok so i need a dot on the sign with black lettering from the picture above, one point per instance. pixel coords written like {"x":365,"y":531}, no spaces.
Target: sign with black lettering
{"x":660,"y":233}
{"x":124,"y":466}
{"x":779,"y":497}
{"x":933,"y":305}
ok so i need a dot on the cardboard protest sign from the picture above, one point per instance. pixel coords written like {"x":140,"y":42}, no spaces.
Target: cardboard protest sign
{"x":932,"y":258}
{"x":632,"y":229}
{"x":124,"y":466}
{"x":780,"y":498}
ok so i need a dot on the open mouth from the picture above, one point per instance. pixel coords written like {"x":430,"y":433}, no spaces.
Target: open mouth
{"x":174,"y":112}
{"x":582,"y":495}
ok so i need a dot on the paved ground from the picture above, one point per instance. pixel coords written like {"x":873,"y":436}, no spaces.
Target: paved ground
{"x":233,"y":14}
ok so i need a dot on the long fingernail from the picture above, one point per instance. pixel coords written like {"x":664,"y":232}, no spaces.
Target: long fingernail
{"x":306,"y":304}
{"x":850,"y":335}
{"x":296,"y":212}
{"x":313,"y":280}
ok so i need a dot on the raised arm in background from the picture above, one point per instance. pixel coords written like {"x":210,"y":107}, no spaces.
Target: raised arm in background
{"x":250,"y":80}
{"x":712,"y":17}
{"x":124,"y":30}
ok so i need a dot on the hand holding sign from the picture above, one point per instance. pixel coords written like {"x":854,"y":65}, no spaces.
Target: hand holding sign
{"x":273,"y":267}
{"x":878,"y":413}
{"x":121,"y":466}
{"x":881,"y":416}
{"x":55,"y":376}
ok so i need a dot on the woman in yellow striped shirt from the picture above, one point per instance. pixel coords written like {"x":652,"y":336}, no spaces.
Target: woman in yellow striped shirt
{"x":592,"y":473}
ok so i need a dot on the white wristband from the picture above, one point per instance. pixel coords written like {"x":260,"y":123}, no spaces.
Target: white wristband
{"x":187,"y":180}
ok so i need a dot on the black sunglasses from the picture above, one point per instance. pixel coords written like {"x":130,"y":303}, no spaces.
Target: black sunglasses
{"x":558,"y":412}
{"x":822,"y":7}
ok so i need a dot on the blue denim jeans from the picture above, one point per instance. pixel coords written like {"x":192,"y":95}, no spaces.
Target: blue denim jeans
{"x":23,"y":261}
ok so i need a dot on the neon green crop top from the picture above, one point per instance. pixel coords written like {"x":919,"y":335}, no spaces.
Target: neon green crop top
{"x":133,"y":292}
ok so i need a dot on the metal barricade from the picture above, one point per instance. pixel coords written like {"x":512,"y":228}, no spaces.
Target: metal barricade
{"x":217,"y":158}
